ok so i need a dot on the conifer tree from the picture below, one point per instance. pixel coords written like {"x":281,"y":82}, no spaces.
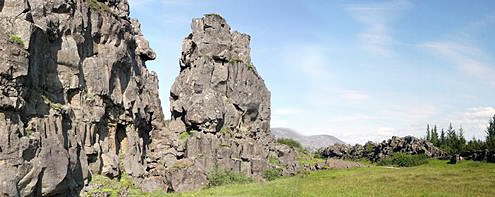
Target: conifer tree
{"x":490,"y":132}
{"x":434,"y":137}
{"x":428,"y":135}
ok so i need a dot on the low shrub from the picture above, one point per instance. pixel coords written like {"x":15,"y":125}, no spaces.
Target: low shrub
{"x":289,"y":142}
{"x":219,"y":177}
{"x":272,"y":174}
{"x":404,"y":160}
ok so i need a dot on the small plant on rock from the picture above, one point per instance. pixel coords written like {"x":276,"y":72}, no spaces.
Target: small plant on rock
{"x":14,"y":38}
{"x":186,"y":134}
{"x":98,"y":6}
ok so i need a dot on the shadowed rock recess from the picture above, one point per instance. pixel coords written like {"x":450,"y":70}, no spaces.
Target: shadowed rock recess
{"x":77,"y":100}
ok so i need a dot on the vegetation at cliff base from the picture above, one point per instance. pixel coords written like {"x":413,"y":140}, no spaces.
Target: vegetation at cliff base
{"x":404,"y":160}
{"x":437,"y":178}
{"x":289,"y":142}
{"x":218,"y":177}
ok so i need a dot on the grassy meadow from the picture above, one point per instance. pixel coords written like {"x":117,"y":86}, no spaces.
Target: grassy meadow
{"x":437,"y":178}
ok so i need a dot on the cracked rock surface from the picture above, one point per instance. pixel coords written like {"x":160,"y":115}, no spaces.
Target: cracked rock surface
{"x":220,"y":112}
{"x":77,"y":100}
{"x":76,"y":96}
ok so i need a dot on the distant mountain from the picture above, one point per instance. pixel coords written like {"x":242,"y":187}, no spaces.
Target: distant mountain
{"x":312,"y":142}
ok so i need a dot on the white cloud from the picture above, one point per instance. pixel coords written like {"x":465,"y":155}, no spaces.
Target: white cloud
{"x":479,"y":112}
{"x":376,"y":17}
{"x":475,"y":120}
{"x":385,"y":131}
{"x":354,"y":96}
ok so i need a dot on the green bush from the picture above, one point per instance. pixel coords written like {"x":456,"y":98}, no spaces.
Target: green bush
{"x":289,"y":142}
{"x":272,"y":174}
{"x":404,"y":160}
{"x":16,"y":39}
{"x":98,"y":6}
{"x":186,"y":134}
{"x":219,"y":177}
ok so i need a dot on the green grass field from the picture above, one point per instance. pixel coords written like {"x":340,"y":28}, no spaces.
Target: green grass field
{"x":434,"y":179}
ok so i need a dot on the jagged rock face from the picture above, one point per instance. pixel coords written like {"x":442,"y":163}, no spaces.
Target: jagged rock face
{"x":76,"y":98}
{"x":220,"y":113}
{"x":218,"y":87}
{"x":376,"y":152}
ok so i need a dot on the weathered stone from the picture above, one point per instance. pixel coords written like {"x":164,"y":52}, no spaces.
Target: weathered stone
{"x":83,"y":102}
{"x":375,"y":152}
{"x":220,"y":111}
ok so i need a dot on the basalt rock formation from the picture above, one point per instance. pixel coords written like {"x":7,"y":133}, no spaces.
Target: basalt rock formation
{"x":376,"y":152}
{"x":76,"y":97}
{"x":77,"y":100}
{"x":220,"y":113}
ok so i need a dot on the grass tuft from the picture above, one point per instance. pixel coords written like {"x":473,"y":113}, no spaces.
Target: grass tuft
{"x":219,"y":177}
{"x":16,"y":39}
{"x":272,"y":174}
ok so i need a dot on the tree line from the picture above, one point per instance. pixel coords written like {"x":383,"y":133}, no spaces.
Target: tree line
{"x":453,"y":141}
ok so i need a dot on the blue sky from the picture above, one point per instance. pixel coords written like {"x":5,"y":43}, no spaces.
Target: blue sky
{"x":358,"y":70}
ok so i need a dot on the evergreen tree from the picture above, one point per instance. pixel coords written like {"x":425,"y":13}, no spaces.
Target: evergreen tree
{"x":462,"y":141}
{"x":428,"y":135}
{"x":490,"y":132}
{"x":451,"y":139}
{"x":434,"y":137}
{"x":442,"y":138}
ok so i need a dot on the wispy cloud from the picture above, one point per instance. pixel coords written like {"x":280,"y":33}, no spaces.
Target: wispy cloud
{"x":310,"y":59}
{"x":377,"y":17}
{"x":385,"y":131}
{"x":467,"y":57}
{"x":287,"y":111}
{"x":354,"y":95}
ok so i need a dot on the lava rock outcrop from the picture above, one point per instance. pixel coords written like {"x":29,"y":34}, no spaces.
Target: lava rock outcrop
{"x":76,"y":97}
{"x":377,"y":151}
{"x":220,"y":113}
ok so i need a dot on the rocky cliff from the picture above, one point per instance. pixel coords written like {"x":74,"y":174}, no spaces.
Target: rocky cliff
{"x":77,"y":101}
{"x":220,"y":114}
{"x":76,"y":98}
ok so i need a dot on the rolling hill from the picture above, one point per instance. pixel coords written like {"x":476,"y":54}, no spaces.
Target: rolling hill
{"x":312,"y":142}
